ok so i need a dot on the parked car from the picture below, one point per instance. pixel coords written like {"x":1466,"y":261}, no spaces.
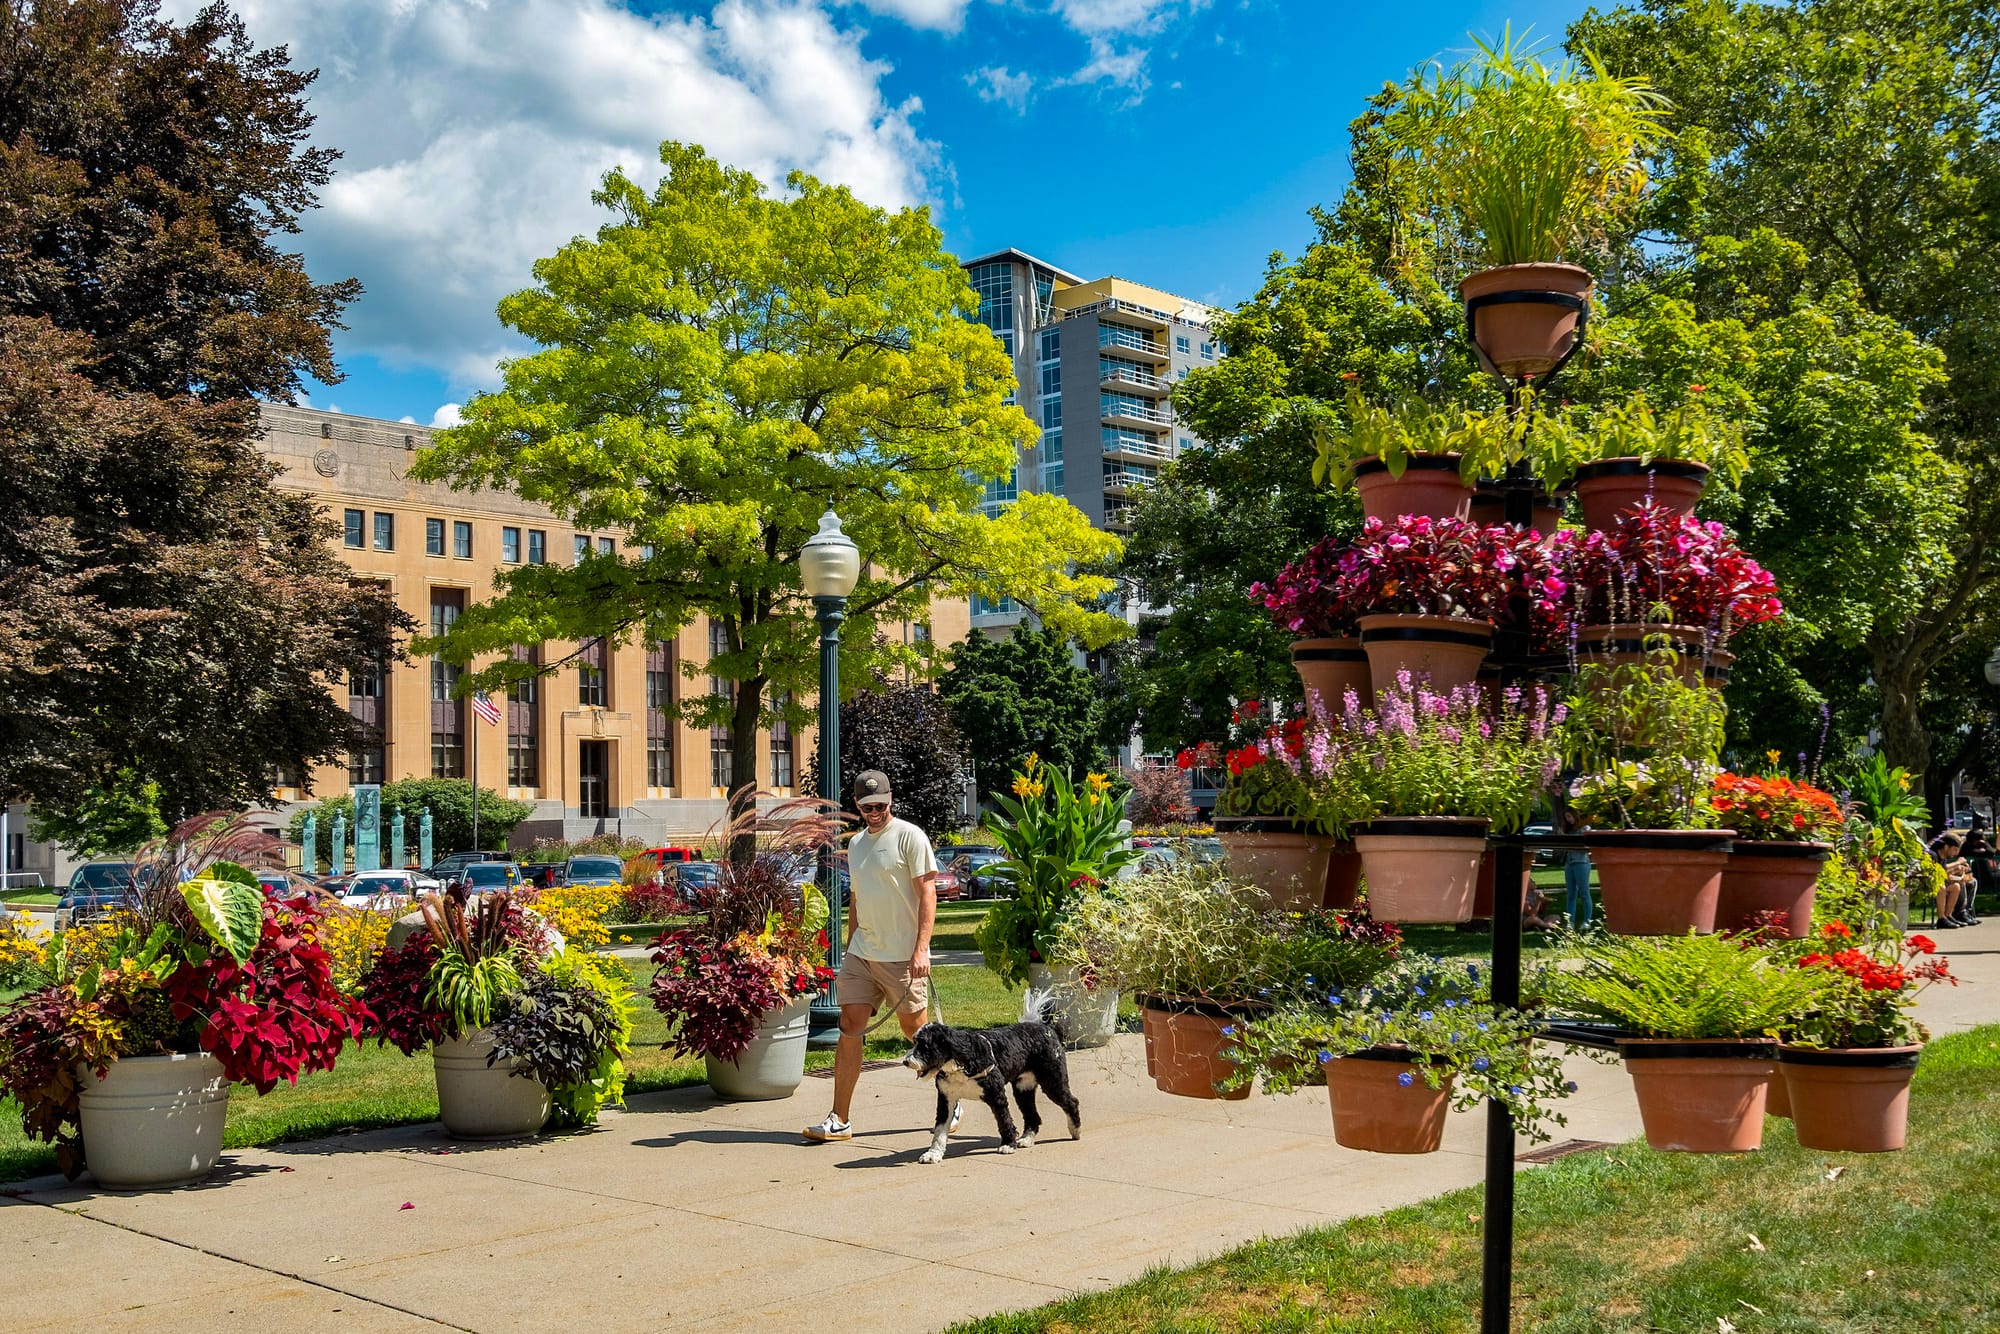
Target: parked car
{"x":592,"y":871}
{"x":674,"y":854}
{"x":382,"y":889}
{"x":1207,"y":849}
{"x":451,"y":867}
{"x":948,"y":886}
{"x":286,"y":884}
{"x":485,"y":877}
{"x":543,"y":875}
{"x":970,"y":864}
{"x":95,"y":890}
{"x":1542,"y":856}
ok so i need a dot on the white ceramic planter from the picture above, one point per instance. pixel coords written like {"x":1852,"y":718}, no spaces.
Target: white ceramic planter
{"x":477,"y":1101}
{"x":774,"y":1063}
{"x":152,"y":1120}
{"x":1088,"y":1017}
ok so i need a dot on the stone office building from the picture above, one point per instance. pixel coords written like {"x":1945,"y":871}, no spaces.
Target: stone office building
{"x":594,"y":745}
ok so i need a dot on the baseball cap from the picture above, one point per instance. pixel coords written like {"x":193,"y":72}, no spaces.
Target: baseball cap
{"x":871,"y":785}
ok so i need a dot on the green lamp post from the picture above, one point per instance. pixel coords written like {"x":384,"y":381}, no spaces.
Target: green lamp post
{"x":829,"y":566}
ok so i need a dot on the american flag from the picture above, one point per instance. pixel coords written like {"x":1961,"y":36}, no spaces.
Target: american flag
{"x":483,"y":705}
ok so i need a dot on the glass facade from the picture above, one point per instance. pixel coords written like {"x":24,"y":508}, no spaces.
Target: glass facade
{"x":781,"y":743}
{"x":995,"y":285}
{"x":1001,"y":492}
{"x":660,"y":716}
{"x":721,"y":738}
{"x":524,"y":743}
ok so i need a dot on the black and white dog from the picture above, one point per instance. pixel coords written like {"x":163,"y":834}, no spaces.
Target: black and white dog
{"x":984,"y":1064}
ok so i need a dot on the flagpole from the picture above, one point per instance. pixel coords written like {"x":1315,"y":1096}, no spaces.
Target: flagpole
{"x":474,"y":720}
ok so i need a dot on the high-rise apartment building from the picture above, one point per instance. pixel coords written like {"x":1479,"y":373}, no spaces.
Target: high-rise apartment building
{"x":1096,"y":362}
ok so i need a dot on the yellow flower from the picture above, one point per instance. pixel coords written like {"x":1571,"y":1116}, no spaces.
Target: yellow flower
{"x":1021,"y":785}
{"x":1772,"y":755}
{"x":1034,"y":759}
{"x":1097,"y":783}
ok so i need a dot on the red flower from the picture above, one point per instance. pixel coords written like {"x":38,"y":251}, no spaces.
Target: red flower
{"x":1920,"y":945}
{"x":1836,"y":929}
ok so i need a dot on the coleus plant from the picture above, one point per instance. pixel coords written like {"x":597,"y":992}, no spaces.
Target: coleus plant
{"x":1657,"y":565}
{"x":203,"y":961}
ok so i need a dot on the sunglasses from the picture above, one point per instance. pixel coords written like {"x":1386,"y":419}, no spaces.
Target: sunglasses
{"x":882,"y":805}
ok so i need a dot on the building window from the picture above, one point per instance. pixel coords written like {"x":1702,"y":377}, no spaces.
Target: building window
{"x":1186,"y":443}
{"x":510,"y":545}
{"x":1052,"y":478}
{"x":582,"y":549}
{"x":461,"y":539}
{"x":646,"y":551}
{"x":538,"y":547}
{"x":352,"y":524}
{"x":660,"y":716}
{"x":447,"y":713}
{"x":1052,"y":379}
{"x":721,"y":739}
{"x":524,"y":760}
{"x":1051,"y":412}
{"x":1001,"y":491}
{"x":781,"y":743}
{"x":1052,"y":447}
{"x":995,"y":285}
{"x":367,"y":684}
{"x":1180,"y":343}
{"x":607,"y":546}
{"x":1051,"y":343}
{"x":433,"y":537}
{"x":385,"y":532}
{"x":1208,"y":352}
{"x":987,"y":607}
{"x":590,"y":675}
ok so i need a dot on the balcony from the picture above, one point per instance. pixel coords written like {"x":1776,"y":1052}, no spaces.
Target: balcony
{"x":1129,"y":445}
{"x":1117,"y":410}
{"x":1126,"y":376}
{"x":1130,"y":311}
{"x":1132,"y":340}
{"x":1117,"y":514}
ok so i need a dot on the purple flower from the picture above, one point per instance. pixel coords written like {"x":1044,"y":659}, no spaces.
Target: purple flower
{"x":1406,"y":1079}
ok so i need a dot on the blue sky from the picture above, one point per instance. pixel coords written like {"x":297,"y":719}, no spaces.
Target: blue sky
{"x":1175,"y":142}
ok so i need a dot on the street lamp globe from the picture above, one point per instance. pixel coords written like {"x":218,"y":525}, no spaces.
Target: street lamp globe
{"x":830,"y":563}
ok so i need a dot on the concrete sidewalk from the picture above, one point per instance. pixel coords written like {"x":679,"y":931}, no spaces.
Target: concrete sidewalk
{"x":686,"y":1212}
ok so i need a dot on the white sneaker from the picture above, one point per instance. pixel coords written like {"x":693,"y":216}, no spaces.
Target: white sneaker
{"x":957,"y":1111}
{"x":832,"y":1128}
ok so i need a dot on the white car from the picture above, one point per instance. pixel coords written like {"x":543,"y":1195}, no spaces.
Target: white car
{"x":386,"y":889}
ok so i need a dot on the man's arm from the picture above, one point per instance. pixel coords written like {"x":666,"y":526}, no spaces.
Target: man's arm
{"x":920,"y":957}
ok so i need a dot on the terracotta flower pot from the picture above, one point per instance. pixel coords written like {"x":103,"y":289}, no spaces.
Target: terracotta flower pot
{"x":1446,"y":649}
{"x":1659,"y":882}
{"x":1770,"y":877}
{"x":1343,"y":876}
{"x":1421,"y":870}
{"x":1187,"y":1049}
{"x":1609,"y":487}
{"x":1629,"y":643}
{"x":1430,"y":486}
{"x":1485,"y":894}
{"x":1778,"y":1096}
{"x":1489,"y":507}
{"x":1852,"y":1100}
{"x":1700,"y":1097}
{"x":1287,"y":859}
{"x":1374,"y":1110}
{"x":1148,"y":1025}
{"x":1330,"y":668}
{"x":1523,"y":336}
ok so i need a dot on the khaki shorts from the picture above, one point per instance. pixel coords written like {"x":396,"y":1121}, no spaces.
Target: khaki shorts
{"x":872,"y":982}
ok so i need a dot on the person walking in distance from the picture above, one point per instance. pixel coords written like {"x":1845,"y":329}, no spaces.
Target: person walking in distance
{"x":892,"y":907}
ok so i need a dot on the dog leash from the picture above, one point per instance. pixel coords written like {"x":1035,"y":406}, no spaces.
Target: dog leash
{"x":931,"y":1003}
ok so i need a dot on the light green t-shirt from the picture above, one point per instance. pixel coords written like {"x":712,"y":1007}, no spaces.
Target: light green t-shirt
{"x":882,"y":870}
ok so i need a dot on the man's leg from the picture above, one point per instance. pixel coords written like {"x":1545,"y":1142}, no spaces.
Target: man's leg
{"x":847,"y":1055}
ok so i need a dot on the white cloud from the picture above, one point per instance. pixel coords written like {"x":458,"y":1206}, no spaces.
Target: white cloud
{"x":446,"y":415}
{"x":997,"y":83}
{"x":475,"y":130}
{"x":1116,"y":57}
{"x":942,"y":15}
{"x":407,"y":420}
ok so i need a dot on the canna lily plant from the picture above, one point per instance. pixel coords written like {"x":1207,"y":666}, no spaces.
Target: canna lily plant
{"x":1062,"y":841}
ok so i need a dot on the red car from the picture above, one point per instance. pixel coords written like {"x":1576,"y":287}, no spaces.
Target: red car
{"x":948,"y":886}
{"x":675,"y":854}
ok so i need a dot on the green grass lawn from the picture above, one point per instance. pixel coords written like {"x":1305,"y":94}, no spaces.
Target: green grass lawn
{"x":374,"y":1086}
{"x":1626,"y":1239}
{"x":23,"y":898}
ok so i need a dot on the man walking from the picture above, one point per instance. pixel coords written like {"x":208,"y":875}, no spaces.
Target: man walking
{"x":891,"y":909}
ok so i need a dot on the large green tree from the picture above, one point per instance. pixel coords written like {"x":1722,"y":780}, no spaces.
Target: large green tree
{"x":1864,"y":131}
{"x":1019,"y":696}
{"x":718,"y":367}
{"x":166,"y":614}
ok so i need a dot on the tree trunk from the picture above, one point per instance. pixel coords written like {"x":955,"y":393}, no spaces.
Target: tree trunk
{"x":743,"y":737}
{"x":1906,"y":742}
